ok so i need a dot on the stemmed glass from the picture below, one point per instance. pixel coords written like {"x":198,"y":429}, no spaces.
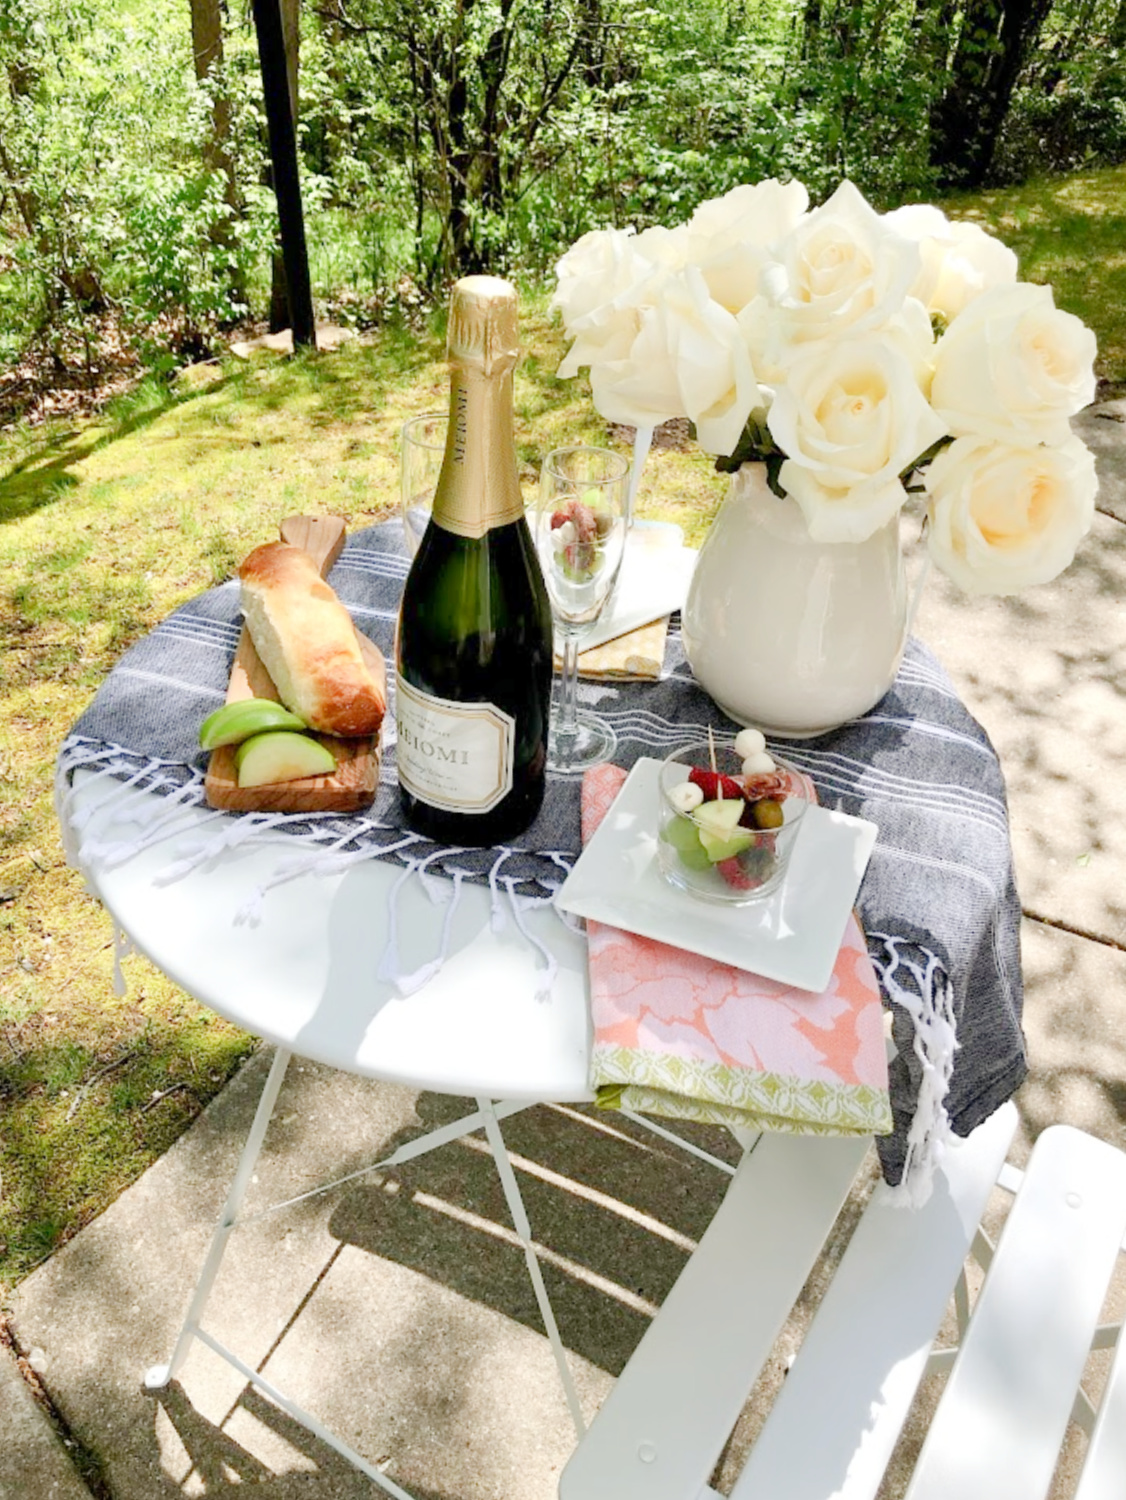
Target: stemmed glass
{"x":581,"y":524}
{"x":423,"y":446}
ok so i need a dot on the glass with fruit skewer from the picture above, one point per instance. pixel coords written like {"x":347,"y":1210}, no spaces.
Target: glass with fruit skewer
{"x":728,"y":819}
{"x":580,"y":536}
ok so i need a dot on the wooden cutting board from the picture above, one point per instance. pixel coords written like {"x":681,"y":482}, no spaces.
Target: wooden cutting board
{"x":352,"y":785}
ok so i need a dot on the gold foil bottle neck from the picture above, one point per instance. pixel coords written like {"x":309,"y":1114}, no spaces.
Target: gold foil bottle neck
{"x":482,"y":326}
{"x":478,"y":487}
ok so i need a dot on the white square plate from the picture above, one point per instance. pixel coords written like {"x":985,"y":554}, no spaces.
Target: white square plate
{"x":793,"y":936}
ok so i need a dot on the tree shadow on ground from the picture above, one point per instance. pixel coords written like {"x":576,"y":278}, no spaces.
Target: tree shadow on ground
{"x":216,"y":1463}
{"x":614,"y":1209}
{"x":330,"y":386}
{"x":42,"y":476}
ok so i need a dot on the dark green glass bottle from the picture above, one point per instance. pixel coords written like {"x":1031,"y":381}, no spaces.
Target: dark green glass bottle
{"x":474,"y":656}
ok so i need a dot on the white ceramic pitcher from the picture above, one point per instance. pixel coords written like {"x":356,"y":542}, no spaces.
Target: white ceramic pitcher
{"x":792,"y":635}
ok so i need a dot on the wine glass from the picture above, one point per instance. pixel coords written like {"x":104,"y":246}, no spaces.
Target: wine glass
{"x":580,"y":537}
{"x":422,"y":448}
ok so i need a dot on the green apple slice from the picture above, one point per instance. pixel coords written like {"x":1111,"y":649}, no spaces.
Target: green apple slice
{"x":235,"y":722}
{"x":719,"y":818}
{"x":281,"y":755}
{"x":720,"y":833}
{"x":719,"y":848}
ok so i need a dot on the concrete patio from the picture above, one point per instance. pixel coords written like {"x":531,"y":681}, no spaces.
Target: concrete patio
{"x":398,"y":1309}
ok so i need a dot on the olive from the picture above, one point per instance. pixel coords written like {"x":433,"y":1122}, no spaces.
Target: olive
{"x":767,"y":813}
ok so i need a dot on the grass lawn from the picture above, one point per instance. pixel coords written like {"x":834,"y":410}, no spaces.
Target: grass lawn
{"x":107,"y":525}
{"x":1071,"y":233}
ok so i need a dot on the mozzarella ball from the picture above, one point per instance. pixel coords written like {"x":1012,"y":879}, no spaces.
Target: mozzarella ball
{"x":686,"y":797}
{"x":750,"y":742}
{"x":759,"y":764}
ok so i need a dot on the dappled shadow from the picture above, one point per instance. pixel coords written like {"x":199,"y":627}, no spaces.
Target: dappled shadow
{"x":1075,"y":992}
{"x":42,"y":476}
{"x":403,"y":1319}
{"x":1068,"y":231}
{"x":1045,"y":674}
{"x":615,"y":1213}
{"x":330,"y":387}
{"x":41,"y":479}
{"x":215,"y":1463}
{"x":68,"y":1105}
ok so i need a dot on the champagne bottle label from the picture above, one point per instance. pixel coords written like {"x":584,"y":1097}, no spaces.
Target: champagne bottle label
{"x":455,"y":756}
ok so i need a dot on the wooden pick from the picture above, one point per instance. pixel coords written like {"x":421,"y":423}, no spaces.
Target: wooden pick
{"x":715,"y":768}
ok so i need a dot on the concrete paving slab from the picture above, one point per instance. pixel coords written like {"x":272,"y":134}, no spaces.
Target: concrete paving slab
{"x":397,"y":1310}
{"x":34,"y":1464}
{"x":1075,"y":1024}
{"x":1045,"y":674}
{"x":1103,"y":429}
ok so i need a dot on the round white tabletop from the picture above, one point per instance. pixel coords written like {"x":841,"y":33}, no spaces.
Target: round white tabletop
{"x":305,"y":975}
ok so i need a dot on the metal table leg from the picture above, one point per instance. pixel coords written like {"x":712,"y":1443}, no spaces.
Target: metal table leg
{"x":159,"y":1375}
{"x":487,"y":1116}
{"x":524,"y":1230}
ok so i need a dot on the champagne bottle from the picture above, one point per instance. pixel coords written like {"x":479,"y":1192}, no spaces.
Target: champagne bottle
{"x":473,"y":679}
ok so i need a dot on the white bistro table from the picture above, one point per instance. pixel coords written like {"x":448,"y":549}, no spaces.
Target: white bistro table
{"x":305,"y":977}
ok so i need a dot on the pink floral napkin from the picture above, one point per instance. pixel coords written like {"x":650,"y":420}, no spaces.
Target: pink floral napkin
{"x":681,"y":1035}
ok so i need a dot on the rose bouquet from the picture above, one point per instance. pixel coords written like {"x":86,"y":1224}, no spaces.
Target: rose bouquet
{"x":860,"y":356}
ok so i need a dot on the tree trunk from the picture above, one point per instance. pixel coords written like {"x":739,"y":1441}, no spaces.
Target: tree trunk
{"x":207,"y":54}
{"x":459,"y":160}
{"x":488,"y":176}
{"x":283,"y":158}
{"x":207,"y":57}
{"x":291,"y":32}
{"x":810,"y":30}
{"x":994,"y":42}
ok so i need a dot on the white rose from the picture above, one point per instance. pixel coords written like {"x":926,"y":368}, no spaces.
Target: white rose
{"x":752,"y":214}
{"x":959,"y":260}
{"x":850,"y":418}
{"x":728,"y":237}
{"x":1002,"y":518}
{"x":1014,"y":367}
{"x":841,"y":271}
{"x":668,"y":249}
{"x":908,"y":330}
{"x":688,"y":360}
{"x":602,"y":283}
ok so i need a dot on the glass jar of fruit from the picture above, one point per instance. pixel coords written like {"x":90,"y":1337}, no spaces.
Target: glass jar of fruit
{"x":728,"y":819}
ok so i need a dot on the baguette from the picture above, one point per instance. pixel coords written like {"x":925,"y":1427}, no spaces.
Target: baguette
{"x":307,"y":643}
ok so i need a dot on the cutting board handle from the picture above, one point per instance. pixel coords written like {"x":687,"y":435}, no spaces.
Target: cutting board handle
{"x":322,"y":537}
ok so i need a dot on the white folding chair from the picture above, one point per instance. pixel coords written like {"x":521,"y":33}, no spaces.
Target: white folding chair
{"x":1014,"y":1380}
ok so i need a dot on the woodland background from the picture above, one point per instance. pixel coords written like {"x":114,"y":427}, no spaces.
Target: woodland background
{"x":138,"y":225}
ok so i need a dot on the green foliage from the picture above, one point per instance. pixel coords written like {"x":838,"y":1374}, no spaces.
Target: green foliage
{"x":1069,"y":111}
{"x":449,"y":136}
{"x":1067,"y":130}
